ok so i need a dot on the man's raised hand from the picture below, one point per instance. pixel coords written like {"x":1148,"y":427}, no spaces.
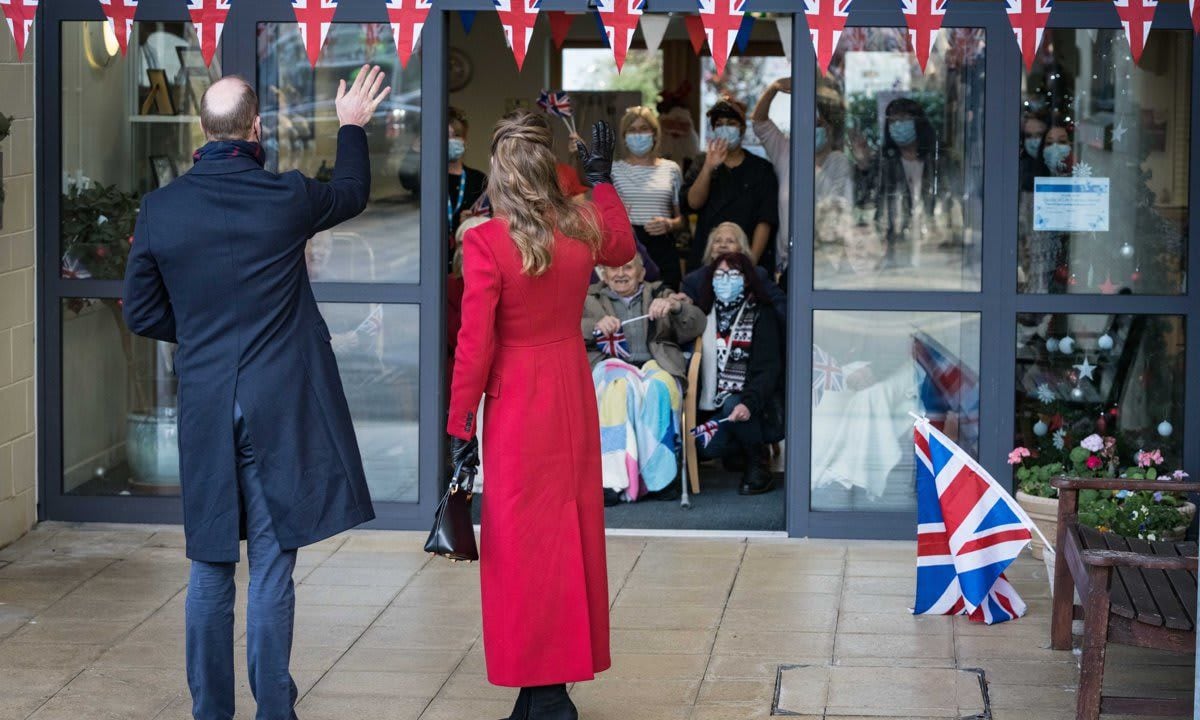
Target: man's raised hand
{"x":356,"y":104}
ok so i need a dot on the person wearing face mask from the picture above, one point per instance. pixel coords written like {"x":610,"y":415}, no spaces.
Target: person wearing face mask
{"x":910,"y":180}
{"x":741,"y":370}
{"x":1047,"y":249}
{"x":730,"y":184}
{"x":1031,"y":165}
{"x":724,"y":239}
{"x":1056,"y":151}
{"x":464,"y":185}
{"x":649,"y":188}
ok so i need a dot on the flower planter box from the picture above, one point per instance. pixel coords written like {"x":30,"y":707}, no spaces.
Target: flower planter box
{"x":1044,"y":513}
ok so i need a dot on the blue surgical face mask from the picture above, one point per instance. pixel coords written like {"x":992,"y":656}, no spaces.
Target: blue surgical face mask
{"x":640,"y":144}
{"x":903,"y":132}
{"x":1032,"y":146}
{"x":822,"y":137}
{"x":1056,"y":156}
{"x":455,"y":148}
{"x":731,"y":134}
{"x":727,"y":287}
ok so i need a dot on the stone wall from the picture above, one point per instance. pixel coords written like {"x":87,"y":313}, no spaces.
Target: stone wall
{"x":18,"y":456}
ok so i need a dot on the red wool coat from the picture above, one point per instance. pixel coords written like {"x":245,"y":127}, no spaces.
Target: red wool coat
{"x":543,"y":570}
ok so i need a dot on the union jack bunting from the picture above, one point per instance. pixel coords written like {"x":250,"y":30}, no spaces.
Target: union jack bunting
{"x":208,"y":16}
{"x":722,"y":19}
{"x":19,"y":15}
{"x":704,"y":433}
{"x":615,"y":345}
{"x":120,"y":15}
{"x":556,"y":103}
{"x":1136,"y":17}
{"x":619,"y":18}
{"x":560,"y":26}
{"x":1028,"y":19}
{"x":969,"y":530}
{"x":826,"y":21}
{"x":695,"y":31}
{"x":407,"y":18}
{"x":518,"y":18}
{"x":924,"y":18}
{"x":1194,"y":10}
{"x":314,"y":17}
{"x":826,"y":375}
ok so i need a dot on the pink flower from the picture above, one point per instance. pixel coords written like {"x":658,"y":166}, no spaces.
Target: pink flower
{"x":1148,"y":459}
{"x":1018,"y":454}
{"x":1094,"y":463}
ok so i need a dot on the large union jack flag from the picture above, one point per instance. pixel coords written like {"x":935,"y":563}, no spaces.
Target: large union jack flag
{"x":950,"y":386}
{"x":407,"y":18}
{"x":120,"y":14}
{"x":615,"y":345}
{"x":826,"y":21}
{"x":314,"y":18}
{"x":619,"y":18}
{"x":19,"y":15}
{"x":1028,"y":19}
{"x":969,"y":530}
{"x":826,"y":375}
{"x":722,"y":20}
{"x":1136,"y":17}
{"x":208,"y":16}
{"x":924,"y":18}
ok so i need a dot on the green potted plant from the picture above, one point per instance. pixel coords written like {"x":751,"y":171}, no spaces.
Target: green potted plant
{"x":97,"y":230}
{"x":5,"y":131}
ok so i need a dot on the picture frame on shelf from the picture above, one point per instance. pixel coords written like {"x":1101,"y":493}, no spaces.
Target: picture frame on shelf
{"x":159,"y":98}
{"x":197,"y":85}
{"x":191,"y":60}
{"x":163,"y":169}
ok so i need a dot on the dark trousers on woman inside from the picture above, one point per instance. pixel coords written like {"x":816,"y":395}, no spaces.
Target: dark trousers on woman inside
{"x":662,"y":251}
{"x":270,"y":611}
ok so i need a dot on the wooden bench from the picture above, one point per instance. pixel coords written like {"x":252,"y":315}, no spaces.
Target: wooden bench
{"x":1134,"y":592}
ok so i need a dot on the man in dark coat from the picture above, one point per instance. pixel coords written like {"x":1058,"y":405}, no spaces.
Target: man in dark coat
{"x":266,"y":446}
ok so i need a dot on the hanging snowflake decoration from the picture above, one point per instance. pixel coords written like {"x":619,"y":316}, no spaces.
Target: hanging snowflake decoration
{"x":1060,"y":438}
{"x":1082,"y":170}
{"x":1045,"y":393}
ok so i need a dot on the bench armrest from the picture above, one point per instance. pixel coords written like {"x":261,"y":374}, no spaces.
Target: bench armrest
{"x":1116,"y":558}
{"x":1073,"y":483}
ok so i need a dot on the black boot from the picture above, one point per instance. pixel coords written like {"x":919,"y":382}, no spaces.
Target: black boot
{"x":521,"y":708}
{"x":757,"y":478}
{"x":551,"y":702}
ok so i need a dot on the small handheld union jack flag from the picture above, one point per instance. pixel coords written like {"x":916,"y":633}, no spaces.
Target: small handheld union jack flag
{"x":704,"y":433}
{"x":615,"y":345}
{"x":826,"y":375}
{"x":558,"y":104}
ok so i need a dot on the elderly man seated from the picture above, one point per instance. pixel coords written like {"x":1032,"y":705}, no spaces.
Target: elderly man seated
{"x":634,"y":330}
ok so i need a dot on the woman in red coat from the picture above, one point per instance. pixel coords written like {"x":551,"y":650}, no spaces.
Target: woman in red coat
{"x":543,"y":568}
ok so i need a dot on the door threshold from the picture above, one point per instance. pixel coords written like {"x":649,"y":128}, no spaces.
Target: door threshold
{"x":710,"y":534}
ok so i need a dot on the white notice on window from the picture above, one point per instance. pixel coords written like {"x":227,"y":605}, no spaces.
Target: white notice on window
{"x":1070,"y":204}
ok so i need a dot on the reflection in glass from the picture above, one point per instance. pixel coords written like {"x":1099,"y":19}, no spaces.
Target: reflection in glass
{"x":378,"y":354}
{"x":870,"y":370}
{"x":118,"y":407}
{"x":912,"y":216}
{"x":1096,"y":127}
{"x":300,"y":128}
{"x":130,"y":125}
{"x":1120,"y":376}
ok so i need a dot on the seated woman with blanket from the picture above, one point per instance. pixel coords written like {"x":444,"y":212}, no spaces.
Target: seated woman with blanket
{"x":741,"y":370}
{"x":633,"y":330}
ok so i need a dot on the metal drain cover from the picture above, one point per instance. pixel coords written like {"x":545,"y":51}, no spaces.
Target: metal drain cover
{"x":898,"y":692}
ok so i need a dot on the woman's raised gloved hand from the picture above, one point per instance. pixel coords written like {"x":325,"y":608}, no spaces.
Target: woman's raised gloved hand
{"x":597,"y":161}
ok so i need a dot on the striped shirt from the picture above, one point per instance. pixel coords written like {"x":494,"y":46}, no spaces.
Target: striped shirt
{"x":648,"y":191}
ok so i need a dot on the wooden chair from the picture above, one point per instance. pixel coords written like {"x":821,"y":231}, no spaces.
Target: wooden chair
{"x":1134,"y":592}
{"x":689,"y":418}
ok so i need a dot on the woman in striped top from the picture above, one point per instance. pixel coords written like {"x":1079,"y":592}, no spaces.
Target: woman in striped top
{"x":649,"y":188}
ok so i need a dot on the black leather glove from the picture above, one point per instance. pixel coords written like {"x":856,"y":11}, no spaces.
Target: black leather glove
{"x":598,"y":161}
{"x":464,"y":459}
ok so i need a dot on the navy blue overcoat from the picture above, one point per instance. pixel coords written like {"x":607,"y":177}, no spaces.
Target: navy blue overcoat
{"x":217,"y":266}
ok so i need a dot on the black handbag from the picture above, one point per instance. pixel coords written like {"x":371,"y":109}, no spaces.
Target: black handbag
{"x":453,"y":534}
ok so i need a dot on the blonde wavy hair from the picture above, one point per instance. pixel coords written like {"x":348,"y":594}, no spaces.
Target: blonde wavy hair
{"x":524,"y":192}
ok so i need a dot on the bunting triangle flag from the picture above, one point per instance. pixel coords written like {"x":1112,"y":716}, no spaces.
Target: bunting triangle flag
{"x":743,"y":36}
{"x":120,"y":14}
{"x":1194,"y":9}
{"x":19,"y":15}
{"x":1028,"y":19}
{"x":407,"y":18}
{"x":654,"y":28}
{"x":783,"y":25}
{"x":924,"y":18}
{"x":826,"y":21}
{"x":208,"y":16}
{"x":619,"y":18}
{"x":560,"y":26}
{"x":600,"y":29}
{"x":518,"y":18}
{"x":314,"y":17}
{"x":467,"y":18}
{"x":722,"y":20}
{"x":1136,"y":17}
{"x":695,"y":30}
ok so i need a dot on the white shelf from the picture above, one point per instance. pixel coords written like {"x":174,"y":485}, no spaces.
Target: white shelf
{"x":165,"y":119}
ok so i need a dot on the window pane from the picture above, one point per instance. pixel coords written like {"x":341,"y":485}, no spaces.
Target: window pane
{"x":300,"y":128}
{"x":130,"y":125}
{"x":594,"y":69}
{"x":1118,"y":376}
{"x":1095,"y":127}
{"x":378,"y":354}
{"x":899,"y":177}
{"x":870,"y":370}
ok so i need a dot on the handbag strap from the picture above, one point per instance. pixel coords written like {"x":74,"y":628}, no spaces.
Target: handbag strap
{"x":463,"y":479}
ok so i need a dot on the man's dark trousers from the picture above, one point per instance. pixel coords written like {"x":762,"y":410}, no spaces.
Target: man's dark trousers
{"x":270,"y":611}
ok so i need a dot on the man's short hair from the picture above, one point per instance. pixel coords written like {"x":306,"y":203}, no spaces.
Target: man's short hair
{"x":232,"y":123}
